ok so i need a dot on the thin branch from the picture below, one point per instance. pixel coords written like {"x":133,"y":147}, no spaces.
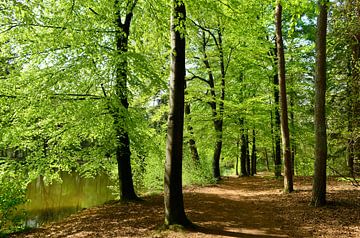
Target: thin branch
{"x":207,"y":30}
{"x":11,"y":27}
{"x":103,"y":89}
{"x":200,"y":78}
{"x":70,"y":96}
{"x":353,"y":180}
{"x":229,"y":58}
{"x":56,"y":27}
{"x":93,"y":11}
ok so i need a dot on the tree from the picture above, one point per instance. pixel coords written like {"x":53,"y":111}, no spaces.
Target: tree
{"x":319,"y":183}
{"x":275,"y":122}
{"x":192,"y":143}
{"x":173,"y":196}
{"x":123,"y":154}
{"x":253,"y":153}
{"x":288,"y":180}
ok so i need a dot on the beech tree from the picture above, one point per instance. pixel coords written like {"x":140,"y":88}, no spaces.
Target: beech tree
{"x":123,"y":154}
{"x":288,"y":180}
{"x":173,"y":196}
{"x":319,"y":183}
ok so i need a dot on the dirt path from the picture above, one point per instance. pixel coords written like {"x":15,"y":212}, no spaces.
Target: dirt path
{"x":237,"y":207}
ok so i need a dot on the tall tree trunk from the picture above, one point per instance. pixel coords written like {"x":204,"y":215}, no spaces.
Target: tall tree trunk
{"x":173,"y":196}
{"x":237,"y":158}
{"x":123,"y":154}
{"x":285,"y":136}
{"x":216,"y":115}
{"x":253,"y":153}
{"x":244,"y":171}
{"x":276,"y":127}
{"x":248,"y":161}
{"x":192,"y":143}
{"x":218,"y":122}
{"x":292,"y":141}
{"x":353,"y":10}
{"x":319,"y":183}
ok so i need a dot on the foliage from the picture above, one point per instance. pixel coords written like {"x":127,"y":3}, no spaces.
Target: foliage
{"x":12,"y":195}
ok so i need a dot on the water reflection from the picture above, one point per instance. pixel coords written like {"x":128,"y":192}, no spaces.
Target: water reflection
{"x":58,"y":200}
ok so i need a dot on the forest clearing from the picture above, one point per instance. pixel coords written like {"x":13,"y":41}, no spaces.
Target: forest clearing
{"x":249,"y":207}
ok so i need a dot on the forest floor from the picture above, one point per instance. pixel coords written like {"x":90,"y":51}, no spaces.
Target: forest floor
{"x":249,"y":207}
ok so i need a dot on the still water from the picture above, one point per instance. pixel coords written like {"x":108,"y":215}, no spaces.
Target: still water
{"x":58,"y":200}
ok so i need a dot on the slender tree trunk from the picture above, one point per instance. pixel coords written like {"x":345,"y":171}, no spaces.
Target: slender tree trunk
{"x":123,"y":154}
{"x":218,"y":122}
{"x":244,"y":171}
{"x":217,"y":116}
{"x":173,"y":196}
{"x":253,"y":154}
{"x":248,"y":161}
{"x":192,"y":143}
{"x":237,"y":159}
{"x":276,"y":127}
{"x":293,"y":143}
{"x":285,"y":135}
{"x":319,"y":183}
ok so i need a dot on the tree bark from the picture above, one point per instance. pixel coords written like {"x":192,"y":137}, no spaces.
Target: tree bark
{"x":123,"y":153}
{"x":248,"y":161}
{"x":285,"y":135}
{"x":173,"y":195}
{"x":276,"y":127}
{"x":253,"y":154}
{"x":244,"y":171}
{"x":192,"y":143}
{"x":353,"y":11}
{"x":319,"y":183}
{"x":216,"y":115}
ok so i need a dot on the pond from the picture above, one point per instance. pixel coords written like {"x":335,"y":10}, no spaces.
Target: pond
{"x":56,"y":201}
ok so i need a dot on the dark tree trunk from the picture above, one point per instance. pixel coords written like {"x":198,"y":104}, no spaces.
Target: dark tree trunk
{"x":123,"y":154}
{"x":285,"y":135}
{"x":173,"y":196}
{"x":244,"y":171}
{"x":253,"y":154}
{"x":218,"y":121}
{"x":293,"y":143}
{"x":237,"y":159}
{"x":248,"y":161}
{"x":192,"y":143}
{"x":216,"y":115}
{"x":217,"y":151}
{"x":276,"y":127}
{"x":319,"y":183}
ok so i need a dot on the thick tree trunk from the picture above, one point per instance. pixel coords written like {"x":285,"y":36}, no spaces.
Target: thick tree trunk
{"x":173,"y":196}
{"x":123,"y":154}
{"x":353,"y":8}
{"x":285,"y":135}
{"x":319,"y":183}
